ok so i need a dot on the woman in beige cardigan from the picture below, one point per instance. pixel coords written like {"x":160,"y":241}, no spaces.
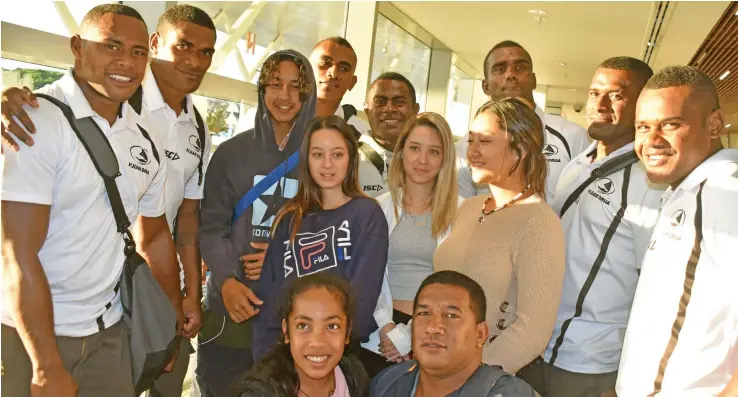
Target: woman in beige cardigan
{"x":511,"y":241}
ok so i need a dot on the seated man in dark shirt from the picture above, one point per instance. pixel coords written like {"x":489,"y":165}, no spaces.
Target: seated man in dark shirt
{"x":448,"y":333}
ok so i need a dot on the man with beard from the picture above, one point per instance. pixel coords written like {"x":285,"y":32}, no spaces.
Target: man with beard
{"x":390,"y":106}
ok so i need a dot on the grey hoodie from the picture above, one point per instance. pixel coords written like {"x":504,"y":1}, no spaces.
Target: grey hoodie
{"x":236,"y":166}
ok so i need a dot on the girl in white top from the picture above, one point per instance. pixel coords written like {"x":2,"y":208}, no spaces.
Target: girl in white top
{"x":420,"y":207}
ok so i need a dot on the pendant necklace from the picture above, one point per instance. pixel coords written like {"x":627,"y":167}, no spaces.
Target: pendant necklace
{"x":508,"y":204}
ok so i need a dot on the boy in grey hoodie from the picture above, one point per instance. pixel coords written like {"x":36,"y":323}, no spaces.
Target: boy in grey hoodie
{"x":238,"y":211}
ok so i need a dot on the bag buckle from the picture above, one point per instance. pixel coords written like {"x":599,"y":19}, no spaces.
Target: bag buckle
{"x":130,"y":245}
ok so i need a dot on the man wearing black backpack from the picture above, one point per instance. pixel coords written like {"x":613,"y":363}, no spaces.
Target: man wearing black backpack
{"x":449,"y":333}
{"x":62,"y":333}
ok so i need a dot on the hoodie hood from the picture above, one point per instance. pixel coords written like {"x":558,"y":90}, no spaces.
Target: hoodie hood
{"x":263,"y":130}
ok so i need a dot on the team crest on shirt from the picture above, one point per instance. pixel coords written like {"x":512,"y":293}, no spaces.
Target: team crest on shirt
{"x":314,"y":252}
{"x":141,"y":158}
{"x":549,"y":151}
{"x":196,"y":144}
{"x":602,"y":187}
{"x":677,"y":218}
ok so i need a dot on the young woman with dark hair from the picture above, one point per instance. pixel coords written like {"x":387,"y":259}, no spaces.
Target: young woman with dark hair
{"x":311,"y":358}
{"x":330,"y":225}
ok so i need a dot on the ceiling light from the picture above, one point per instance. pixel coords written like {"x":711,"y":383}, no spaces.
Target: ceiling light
{"x":724,"y":75}
{"x":728,"y":125}
{"x":537,"y":12}
{"x":736,"y":13}
{"x":573,"y":89}
{"x":650,"y":43}
{"x":560,"y":64}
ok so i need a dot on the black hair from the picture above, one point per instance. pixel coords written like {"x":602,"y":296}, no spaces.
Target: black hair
{"x":394,"y":76}
{"x":688,"y":76}
{"x":337,"y":40}
{"x":477,"y":298}
{"x":184,"y":13}
{"x":97,"y":12}
{"x":504,"y":44}
{"x":275,"y":374}
{"x":641,"y":69}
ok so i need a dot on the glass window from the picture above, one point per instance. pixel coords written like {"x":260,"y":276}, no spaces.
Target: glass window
{"x":396,"y":50}
{"x":33,"y":76}
{"x":46,"y":15}
{"x":224,"y":118}
{"x":275,"y":25}
{"x":459,"y":100}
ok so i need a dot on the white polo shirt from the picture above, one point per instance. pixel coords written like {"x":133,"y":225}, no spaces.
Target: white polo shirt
{"x":372,"y":181}
{"x":602,"y":261}
{"x":181,"y":146}
{"x":82,"y":255}
{"x":360,"y":125}
{"x":682,"y":338}
{"x":563,"y":140}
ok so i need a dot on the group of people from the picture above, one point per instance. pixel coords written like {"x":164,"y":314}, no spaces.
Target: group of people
{"x":349,"y":258}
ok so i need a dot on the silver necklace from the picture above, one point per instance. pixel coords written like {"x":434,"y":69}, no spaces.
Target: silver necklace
{"x":508,"y":204}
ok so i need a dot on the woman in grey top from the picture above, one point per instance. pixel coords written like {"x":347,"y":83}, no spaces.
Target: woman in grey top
{"x":420,"y":207}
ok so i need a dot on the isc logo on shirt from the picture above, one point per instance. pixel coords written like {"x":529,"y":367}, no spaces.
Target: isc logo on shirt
{"x":550,"y":151}
{"x":315,"y":252}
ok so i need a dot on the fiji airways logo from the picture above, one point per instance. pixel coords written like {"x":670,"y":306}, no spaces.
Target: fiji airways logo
{"x":141,"y":158}
{"x":314,"y":252}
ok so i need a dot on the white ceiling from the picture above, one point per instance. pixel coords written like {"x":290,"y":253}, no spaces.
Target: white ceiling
{"x":579,"y":34}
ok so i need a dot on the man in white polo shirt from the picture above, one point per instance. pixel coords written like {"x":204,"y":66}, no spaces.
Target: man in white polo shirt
{"x":608,"y":221}
{"x":63,"y":255}
{"x":508,"y":72}
{"x":683,"y":330}
{"x":390,"y":106}
{"x":182,"y":49}
{"x":334,"y":63}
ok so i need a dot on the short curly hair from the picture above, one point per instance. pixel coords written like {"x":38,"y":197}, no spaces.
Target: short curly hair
{"x":688,"y":76}
{"x":271,"y":65}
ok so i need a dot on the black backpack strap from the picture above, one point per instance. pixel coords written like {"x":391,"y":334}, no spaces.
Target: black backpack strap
{"x":373,"y":156}
{"x":349,"y":111}
{"x":561,"y":137}
{"x":611,"y":166}
{"x":201,"y":135}
{"x":148,"y":138}
{"x":105,"y":161}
